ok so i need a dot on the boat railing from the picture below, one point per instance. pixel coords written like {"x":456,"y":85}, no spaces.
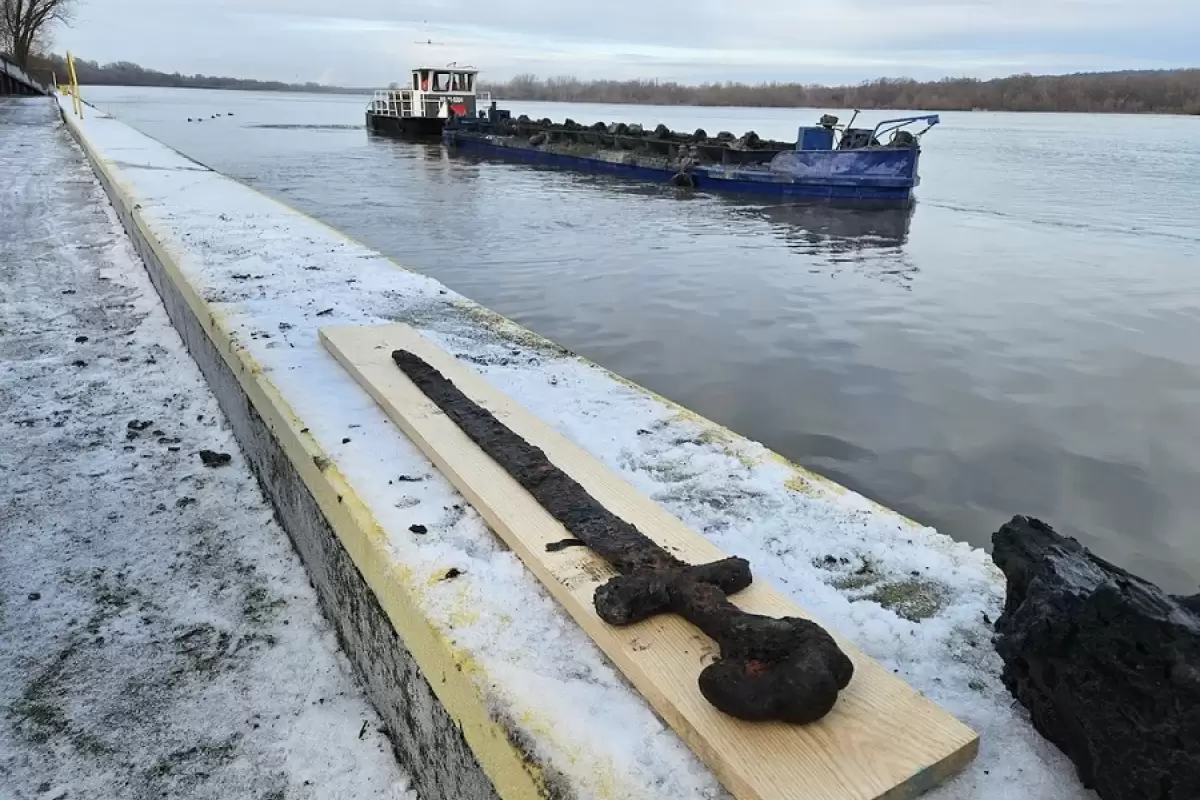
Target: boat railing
{"x":892,"y":125}
{"x":392,"y":103}
{"x":400,"y":102}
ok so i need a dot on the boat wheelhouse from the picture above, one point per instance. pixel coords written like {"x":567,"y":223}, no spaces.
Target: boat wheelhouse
{"x":432,"y":96}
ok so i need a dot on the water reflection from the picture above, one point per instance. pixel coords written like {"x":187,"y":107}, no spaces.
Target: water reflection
{"x":869,"y":242}
{"x":815,"y":226}
{"x":811,"y":225}
{"x":429,"y":151}
{"x":812,"y":228}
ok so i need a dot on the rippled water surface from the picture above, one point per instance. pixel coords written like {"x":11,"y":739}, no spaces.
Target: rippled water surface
{"x":1026,"y":340}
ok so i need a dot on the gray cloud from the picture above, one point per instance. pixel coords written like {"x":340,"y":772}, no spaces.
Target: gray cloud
{"x":371,"y":42}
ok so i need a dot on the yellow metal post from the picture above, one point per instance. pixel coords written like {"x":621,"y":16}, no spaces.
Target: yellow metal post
{"x":74,"y":86}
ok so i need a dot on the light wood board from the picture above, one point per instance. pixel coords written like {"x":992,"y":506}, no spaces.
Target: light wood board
{"x":882,"y":740}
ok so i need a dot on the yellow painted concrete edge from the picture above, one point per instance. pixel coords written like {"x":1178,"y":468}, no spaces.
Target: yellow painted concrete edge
{"x":445,"y":667}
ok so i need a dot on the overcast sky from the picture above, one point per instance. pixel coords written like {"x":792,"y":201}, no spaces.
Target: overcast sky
{"x":372,"y":42}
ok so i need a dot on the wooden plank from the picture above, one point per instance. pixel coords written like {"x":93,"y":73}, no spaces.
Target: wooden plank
{"x":882,"y":740}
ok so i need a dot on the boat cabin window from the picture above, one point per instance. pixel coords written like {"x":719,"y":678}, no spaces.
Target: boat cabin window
{"x":427,"y":80}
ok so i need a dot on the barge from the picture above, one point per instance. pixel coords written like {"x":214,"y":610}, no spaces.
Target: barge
{"x":841,"y":164}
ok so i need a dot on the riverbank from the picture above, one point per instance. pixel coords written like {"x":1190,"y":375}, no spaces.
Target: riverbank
{"x":158,"y":635}
{"x":250,"y":281}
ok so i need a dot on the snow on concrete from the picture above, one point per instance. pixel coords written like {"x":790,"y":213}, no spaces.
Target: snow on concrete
{"x":908,"y":596}
{"x":158,"y":636}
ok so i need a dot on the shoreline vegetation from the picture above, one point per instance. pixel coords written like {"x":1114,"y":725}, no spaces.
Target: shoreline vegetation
{"x":1154,"y":92}
{"x":1130,"y":92}
{"x":125,"y":73}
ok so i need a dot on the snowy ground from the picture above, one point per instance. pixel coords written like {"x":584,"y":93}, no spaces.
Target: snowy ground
{"x":908,"y":596}
{"x":158,"y":636}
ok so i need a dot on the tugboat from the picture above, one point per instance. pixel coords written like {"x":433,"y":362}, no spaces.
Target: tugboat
{"x":420,"y":111}
{"x":839,"y":164}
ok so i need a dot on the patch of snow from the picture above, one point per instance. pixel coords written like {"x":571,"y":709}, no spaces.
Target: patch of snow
{"x":907,"y":595}
{"x":158,"y":635}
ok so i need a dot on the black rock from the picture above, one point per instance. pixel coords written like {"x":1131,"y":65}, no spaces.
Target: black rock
{"x":1107,"y":664}
{"x":211,"y":459}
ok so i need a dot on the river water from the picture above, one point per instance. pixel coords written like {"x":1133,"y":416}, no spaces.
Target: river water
{"x":1026,"y":340}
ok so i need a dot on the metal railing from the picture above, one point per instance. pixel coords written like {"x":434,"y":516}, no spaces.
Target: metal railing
{"x":17,"y":75}
{"x":392,"y":103}
{"x":399,"y":102}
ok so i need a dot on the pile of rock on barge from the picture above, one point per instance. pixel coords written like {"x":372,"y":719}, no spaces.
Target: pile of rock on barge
{"x":828,"y":161}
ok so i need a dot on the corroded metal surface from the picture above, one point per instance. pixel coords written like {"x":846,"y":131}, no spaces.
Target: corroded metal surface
{"x":785,"y":669}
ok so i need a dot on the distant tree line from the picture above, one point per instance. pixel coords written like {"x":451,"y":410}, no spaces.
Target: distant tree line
{"x":1155,"y":91}
{"x":1158,"y":91}
{"x":124,"y":73}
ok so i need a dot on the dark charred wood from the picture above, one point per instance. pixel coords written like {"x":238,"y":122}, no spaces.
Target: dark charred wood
{"x":563,"y":544}
{"x":785,"y":669}
{"x":1107,"y":664}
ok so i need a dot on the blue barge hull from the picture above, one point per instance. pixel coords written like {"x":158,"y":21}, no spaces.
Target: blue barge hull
{"x":870,"y":177}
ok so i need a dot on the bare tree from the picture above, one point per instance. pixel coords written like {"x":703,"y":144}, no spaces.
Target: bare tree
{"x":26,"y":23}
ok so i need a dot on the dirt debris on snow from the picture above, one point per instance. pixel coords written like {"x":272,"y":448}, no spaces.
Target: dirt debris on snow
{"x":158,"y":635}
